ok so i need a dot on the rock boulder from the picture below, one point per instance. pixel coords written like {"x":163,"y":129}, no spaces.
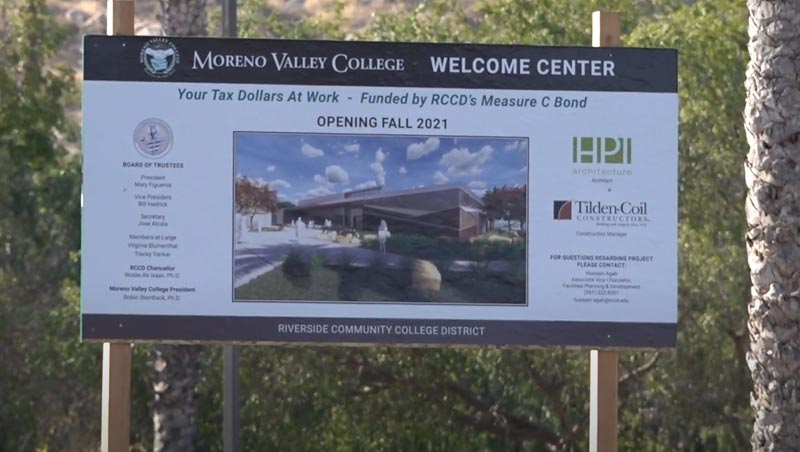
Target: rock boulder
{"x":425,"y":276}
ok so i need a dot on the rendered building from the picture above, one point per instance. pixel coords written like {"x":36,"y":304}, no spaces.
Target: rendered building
{"x":450,"y":210}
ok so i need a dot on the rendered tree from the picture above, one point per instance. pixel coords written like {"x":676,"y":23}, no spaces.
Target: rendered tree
{"x":517,"y":204}
{"x":506,"y":202}
{"x":177,"y":367}
{"x":492,"y":203}
{"x":251,"y":198}
{"x":772,"y":123}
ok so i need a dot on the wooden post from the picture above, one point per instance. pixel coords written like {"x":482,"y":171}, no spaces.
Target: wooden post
{"x":116,"y":409}
{"x":119,"y":17}
{"x":116,"y":400}
{"x":604,"y":373}
{"x":606,"y":26}
{"x":603,"y":401}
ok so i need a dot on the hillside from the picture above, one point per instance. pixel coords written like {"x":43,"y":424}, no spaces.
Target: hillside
{"x":89,"y":16}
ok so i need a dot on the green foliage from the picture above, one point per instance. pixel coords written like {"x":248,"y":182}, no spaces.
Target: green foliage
{"x":508,"y":203}
{"x":390,"y":399}
{"x":345,"y":259}
{"x":39,"y":237}
{"x":252,"y":198}
{"x":317,"y":260}
{"x":441,"y":248}
{"x":714,"y":286}
{"x":49,"y":381}
{"x":694,"y":398}
{"x":544,"y":22}
{"x":296,"y":264}
{"x":256,"y":19}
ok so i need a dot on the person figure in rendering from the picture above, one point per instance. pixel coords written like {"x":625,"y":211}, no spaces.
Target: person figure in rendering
{"x":383,"y":234}
{"x":297,"y":228}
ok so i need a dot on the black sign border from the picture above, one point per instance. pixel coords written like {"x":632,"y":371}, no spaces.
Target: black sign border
{"x":499,"y":333}
{"x":117,"y":58}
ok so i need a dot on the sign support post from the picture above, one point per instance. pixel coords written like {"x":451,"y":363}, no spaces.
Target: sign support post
{"x":603,"y":401}
{"x":116,"y":394}
{"x":119,"y":17}
{"x":604,"y":367}
{"x":230,"y":352}
{"x":116,"y":399}
{"x":229,"y":26}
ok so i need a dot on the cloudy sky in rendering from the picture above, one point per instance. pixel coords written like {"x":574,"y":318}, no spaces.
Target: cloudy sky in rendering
{"x":306,"y":166}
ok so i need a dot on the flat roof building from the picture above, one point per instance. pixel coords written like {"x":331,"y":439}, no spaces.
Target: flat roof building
{"x":448,"y":210}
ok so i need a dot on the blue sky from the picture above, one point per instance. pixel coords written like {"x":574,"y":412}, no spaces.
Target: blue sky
{"x":305,"y":166}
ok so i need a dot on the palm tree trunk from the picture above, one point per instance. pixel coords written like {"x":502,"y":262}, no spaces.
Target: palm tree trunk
{"x":177,"y":367}
{"x":177,"y":370}
{"x":772,"y":173}
{"x":184,"y":17}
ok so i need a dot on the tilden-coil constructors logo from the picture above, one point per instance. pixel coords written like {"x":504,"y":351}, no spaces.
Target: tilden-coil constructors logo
{"x":624,"y":213}
{"x":160,"y":57}
{"x":562,"y":210}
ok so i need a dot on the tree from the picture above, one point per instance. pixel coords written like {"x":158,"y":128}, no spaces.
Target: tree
{"x":693,"y":399}
{"x":772,"y":122}
{"x":177,"y":367}
{"x":184,"y":17}
{"x":252,"y":198}
{"x":509,"y":203}
{"x":714,"y":285}
{"x":39,"y":244}
{"x":493,"y":205}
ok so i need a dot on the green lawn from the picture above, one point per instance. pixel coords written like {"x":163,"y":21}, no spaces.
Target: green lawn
{"x":330,"y":283}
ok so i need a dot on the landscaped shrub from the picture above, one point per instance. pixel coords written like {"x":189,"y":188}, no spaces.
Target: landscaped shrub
{"x":450,"y":249}
{"x":295,"y":265}
{"x":479,"y":269}
{"x":345,"y":260}
{"x":378,"y":261}
{"x":317,"y":261}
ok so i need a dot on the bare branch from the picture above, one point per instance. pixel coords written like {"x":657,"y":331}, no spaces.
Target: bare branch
{"x":502,"y":421}
{"x":486,"y":415}
{"x":644,"y":368}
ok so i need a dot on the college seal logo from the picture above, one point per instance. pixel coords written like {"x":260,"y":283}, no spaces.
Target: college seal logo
{"x":153,"y":138}
{"x":160,"y":57}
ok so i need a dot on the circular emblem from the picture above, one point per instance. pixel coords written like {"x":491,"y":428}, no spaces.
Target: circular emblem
{"x":153,"y":138}
{"x":160,"y":57}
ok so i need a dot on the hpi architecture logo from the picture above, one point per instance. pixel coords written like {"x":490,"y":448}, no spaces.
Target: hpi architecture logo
{"x":160,"y":57}
{"x":602,"y":158}
{"x":602,"y":150}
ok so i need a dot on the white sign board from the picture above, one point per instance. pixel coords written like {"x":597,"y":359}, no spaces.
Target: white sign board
{"x":345,"y":192}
